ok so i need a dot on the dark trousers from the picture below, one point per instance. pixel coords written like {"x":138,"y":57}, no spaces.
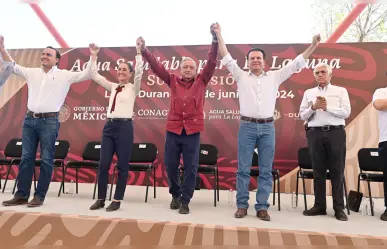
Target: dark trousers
{"x":383,"y":152}
{"x":117,"y":137}
{"x":188,"y":145}
{"x":328,"y":150}
{"x":43,"y":131}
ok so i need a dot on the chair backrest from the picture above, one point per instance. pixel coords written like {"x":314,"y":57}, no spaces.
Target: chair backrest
{"x":304,"y":160}
{"x":208,"y":154}
{"x":92,"y":151}
{"x":14,"y":148}
{"x":143,"y":153}
{"x":370,"y":160}
{"x":62,"y":147}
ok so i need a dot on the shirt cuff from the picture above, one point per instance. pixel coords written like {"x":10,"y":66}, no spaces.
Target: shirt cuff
{"x":8,"y":63}
{"x":226,"y":59}
{"x":301,"y":61}
{"x":310,"y":111}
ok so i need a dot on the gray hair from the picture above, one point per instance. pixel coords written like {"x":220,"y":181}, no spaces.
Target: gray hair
{"x":321,"y":64}
{"x":187,"y":59}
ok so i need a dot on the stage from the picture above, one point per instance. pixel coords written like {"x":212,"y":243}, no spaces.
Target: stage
{"x":67,"y":221}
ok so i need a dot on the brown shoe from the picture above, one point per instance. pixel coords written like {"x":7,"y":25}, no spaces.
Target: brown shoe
{"x":15,"y":201}
{"x":36,"y":202}
{"x":240,"y":213}
{"x":263,"y":215}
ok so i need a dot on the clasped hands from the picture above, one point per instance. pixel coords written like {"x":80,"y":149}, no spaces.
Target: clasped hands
{"x":321,"y":103}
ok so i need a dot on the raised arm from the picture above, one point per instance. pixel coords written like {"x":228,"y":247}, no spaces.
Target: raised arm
{"x":298,"y":63}
{"x":139,"y":70}
{"x":345,"y":106}
{"x":9,"y":63}
{"x":76,"y":77}
{"x":5,"y":71}
{"x":209,"y":68}
{"x":156,"y":66}
{"x":227,"y":60}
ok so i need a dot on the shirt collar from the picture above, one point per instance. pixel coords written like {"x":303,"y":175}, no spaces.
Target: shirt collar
{"x":263,"y":73}
{"x":53,"y":69}
{"x":325,"y":87}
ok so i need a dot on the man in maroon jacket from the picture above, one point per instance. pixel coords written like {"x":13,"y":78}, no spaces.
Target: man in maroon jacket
{"x":185,"y":120}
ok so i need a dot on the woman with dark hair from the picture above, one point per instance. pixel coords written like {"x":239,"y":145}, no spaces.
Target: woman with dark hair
{"x":117,"y":135}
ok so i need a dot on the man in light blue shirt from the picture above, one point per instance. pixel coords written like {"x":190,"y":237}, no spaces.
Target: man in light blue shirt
{"x":5,"y":71}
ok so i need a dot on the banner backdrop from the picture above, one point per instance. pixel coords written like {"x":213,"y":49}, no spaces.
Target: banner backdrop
{"x":359,"y":67}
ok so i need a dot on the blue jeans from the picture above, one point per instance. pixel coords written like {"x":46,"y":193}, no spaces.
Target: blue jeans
{"x":188,"y":145}
{"x":262,"y":136}
{"x":43,"y":131}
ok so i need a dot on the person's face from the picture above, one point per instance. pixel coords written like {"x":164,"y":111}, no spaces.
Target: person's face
{"x":48,"y":58}
{"x":123,"y":73}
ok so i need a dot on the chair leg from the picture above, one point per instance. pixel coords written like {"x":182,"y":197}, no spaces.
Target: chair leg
{"x":279,"y":192}
{"x":95,"y":184}
{"x":346,"y":196}
{"x":274,"y":184}
{"x":304,"y":190}
{"x":34,"y":175}
{"x":147,"y":185}
{"x":369,"y":192}
{"x":154,"y":182}
{"x":358,"y":183}
{"x":76,"y":180}
{"x":62,"y":185}
{"x":112,"y":183}
{"x":217,"y":183}
{"x":215,"y":199}
{"x":6,"y":177}
{"x":297,"y":182}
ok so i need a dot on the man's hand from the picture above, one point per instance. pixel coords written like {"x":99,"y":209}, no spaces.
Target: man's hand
{"x":320,"y":103}
{"x":1,"y":41}
{"x":316,"y":40}
{"x":94,"y":49}
{"x":140,"y":43}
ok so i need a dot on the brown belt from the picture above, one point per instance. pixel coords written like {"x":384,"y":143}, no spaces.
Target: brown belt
{"x":42,"y":115}
{"x":257,"y":120}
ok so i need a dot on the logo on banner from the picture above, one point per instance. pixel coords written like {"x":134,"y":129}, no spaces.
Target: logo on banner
{"x":276,"y":115}
{"x":64,"y":113}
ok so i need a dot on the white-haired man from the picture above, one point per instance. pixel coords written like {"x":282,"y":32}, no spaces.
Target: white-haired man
{"x":325,"y":108}
{"x":185,"y":120}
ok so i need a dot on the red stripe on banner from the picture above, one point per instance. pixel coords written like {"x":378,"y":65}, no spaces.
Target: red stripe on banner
{"x":344,"y":25}
{"x":46,"y":21}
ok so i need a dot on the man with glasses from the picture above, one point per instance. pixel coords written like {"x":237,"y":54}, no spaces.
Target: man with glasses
{"x":325,"y":108}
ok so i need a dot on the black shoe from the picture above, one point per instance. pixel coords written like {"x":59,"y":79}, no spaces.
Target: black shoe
{"x":383,"y":217}
{"x":184,"y":209}
{"x":97,"y":205}
{"x":340,"y":215}
{"x":315,"y":211}
{"x":115,"y":205}
{"x":175,"y":204}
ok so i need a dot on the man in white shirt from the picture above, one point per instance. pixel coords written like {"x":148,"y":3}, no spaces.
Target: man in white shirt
{"x":47,"y":89}
{"x":379,"y":102}
{"x":325,"y":108}
{"x":257,"y":98}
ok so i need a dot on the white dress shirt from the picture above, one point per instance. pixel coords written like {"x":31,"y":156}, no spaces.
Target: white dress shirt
{"x":47,"y":91}
{"x":5,"y":71}
{"x":338,"y":106}
{"x":257,"y":94}
{"x":125,"y":99}
{"x":381,"y":93}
